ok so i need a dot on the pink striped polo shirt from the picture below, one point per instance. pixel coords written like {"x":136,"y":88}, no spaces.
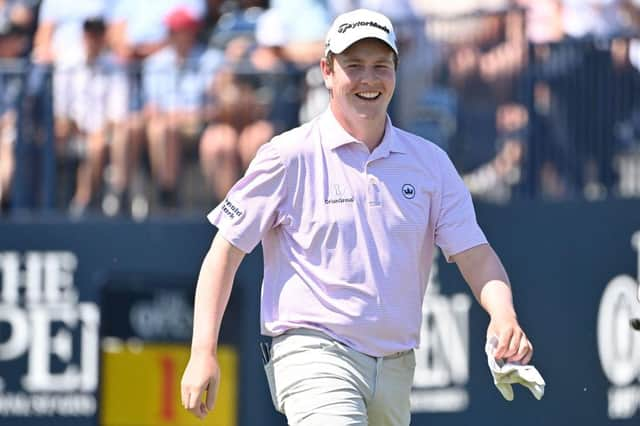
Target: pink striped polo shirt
{"x":347,"y":234}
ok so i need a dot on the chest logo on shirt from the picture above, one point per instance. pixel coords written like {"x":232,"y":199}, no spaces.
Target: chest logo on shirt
{"x":338,"y":194}
{"x":408,"y":191}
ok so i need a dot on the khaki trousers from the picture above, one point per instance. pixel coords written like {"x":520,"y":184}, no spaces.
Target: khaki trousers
{"x":316,"y":381}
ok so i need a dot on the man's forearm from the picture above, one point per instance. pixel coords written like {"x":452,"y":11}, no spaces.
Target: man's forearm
{"x":212,"y":293}
{"x":496,"y":299}
{"x":487,"y":279}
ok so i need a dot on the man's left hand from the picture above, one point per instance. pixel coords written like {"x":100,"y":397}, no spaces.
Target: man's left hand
{"x":513,"y":344}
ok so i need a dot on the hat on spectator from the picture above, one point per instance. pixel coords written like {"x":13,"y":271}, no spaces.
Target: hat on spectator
{"x":271,"y":29}
{"x":356,"y":25}
{"x":182,"y":18}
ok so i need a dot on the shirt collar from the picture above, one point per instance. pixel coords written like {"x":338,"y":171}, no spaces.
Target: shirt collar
{"x":335,"y":136}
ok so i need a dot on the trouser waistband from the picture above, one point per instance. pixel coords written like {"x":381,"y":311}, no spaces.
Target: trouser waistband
{"x":322,"y":335}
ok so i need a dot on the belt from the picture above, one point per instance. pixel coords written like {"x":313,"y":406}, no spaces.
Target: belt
{"x":322,"y":335}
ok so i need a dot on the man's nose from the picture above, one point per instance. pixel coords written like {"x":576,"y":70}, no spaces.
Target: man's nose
{"x":368,"y":74}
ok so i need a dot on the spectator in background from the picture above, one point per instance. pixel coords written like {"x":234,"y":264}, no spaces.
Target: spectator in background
{"x":176,"y":79}
{"x":91,"y":108}
{"x":57,"y":41}
{"x":398,"y":10}
{"x":582,"y":18}
{"x":544,"y":21}
{"x":7,"y":158}
{"x":630,"y":12}
{"x":18,"y":15}
{"x":212,"y":14}
{"x":235,"y":29}
{"x":591,"y":25}
{"x":59,"y":34}
{"x":495,"y":179}
{"x":257,"y":97}
{"x":551,"y":162}
{"x":280,"y":78}
{"x":625,"y":104}
{"x":138,"y":27}
{"x":485,"y":67}
{"x":10,"y":87}
{"x":136,"y":32}
{"x":16,"y":24}
{"x":306,"y":21}
{"x":575,"y":83}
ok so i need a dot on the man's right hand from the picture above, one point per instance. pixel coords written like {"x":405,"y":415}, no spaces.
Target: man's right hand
{"x":202,"y":374}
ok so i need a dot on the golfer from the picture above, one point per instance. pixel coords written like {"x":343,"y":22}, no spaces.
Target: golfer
{"x":348,"y":209}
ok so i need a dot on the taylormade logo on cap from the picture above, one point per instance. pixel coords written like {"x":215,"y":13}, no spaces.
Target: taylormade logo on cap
{"x":356,"y":25}
{"x":344,"y":27}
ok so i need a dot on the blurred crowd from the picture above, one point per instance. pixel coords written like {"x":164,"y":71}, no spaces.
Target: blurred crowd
{"x":126,"y":107}
{"x":542,"y":96}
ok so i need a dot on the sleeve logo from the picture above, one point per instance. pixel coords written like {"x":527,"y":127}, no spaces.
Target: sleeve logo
{"x":231,"y":210}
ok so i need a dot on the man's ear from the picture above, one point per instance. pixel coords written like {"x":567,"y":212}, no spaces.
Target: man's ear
{"x":327,"y":74}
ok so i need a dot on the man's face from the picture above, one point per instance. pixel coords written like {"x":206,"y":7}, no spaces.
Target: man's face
{"x":94,"y":43}
{"x":361,"y":81}
{"x":183,"y":39}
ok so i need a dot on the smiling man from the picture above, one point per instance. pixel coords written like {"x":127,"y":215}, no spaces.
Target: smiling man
{"x":349,"y":210}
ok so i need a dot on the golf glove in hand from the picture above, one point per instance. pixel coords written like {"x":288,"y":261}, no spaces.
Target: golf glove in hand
{"x":506,"y":373}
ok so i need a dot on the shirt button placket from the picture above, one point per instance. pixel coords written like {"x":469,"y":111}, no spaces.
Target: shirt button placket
{"x":373,"y":189}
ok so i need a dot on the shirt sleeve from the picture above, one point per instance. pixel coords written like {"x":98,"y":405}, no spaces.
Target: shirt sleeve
{"x":456,"y":229}
{"x":255,"y":203}
{"x":46,"y":11}
{"x":158,"y":80}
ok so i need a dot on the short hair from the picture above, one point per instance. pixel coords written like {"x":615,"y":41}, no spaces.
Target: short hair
{"x":94,"y":25}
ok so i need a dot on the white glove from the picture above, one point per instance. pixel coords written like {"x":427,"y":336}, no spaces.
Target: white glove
{"x":507,"y":373}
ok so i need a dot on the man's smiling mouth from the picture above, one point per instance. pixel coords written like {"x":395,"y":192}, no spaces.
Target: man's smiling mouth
{"x":368,"y":96}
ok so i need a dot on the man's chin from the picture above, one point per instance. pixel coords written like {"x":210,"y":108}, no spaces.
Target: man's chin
{"x":373,"y":109}
{"x":371,"y":115}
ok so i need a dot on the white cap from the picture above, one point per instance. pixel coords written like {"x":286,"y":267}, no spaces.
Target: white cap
{"x":357,"y":25}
